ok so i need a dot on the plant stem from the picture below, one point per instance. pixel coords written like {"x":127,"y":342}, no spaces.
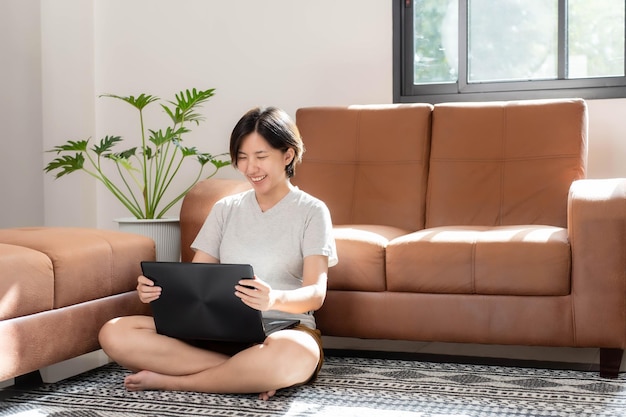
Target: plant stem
{"x":181,"y":195}
{"x":146,"y":196}
{"x":119,"y":194}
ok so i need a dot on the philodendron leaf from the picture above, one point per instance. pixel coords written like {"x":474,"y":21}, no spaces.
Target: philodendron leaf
{"x":180,"y":131}
{"x":148,"y":152}
{"x":126,"y":164}
{"x":169,"y":112}
{"x":158,"y":156}
{"x":205,"y":158}
{"x":106,"y":143}
{"x":193,"y":117}
{"x":71,"y":146}
{"x":159,"y":137}
{"x":139,"y":102}
{"x":188,"y":151}
{"x":185,"y":102}
{"x":123,"y":160}
{"x":177,"y":115}
{"x":219,"y":163}
{"x":66,"y":164}
{"x":127,"y":153}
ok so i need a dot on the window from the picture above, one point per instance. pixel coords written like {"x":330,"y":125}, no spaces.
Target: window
{"x":478,"y":50}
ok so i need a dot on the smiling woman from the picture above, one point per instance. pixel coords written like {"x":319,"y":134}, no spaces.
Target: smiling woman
{"x":265,"y":147}
{"x":290,"y":264}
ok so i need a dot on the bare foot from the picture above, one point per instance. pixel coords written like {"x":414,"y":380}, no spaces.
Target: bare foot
{"x":148,"y":380}
{"x":144,"y":380}
{"x":267,"y":395}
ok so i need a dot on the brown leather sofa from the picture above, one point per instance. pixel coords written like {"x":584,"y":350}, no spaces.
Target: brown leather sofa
{"x":58,"y":286}
{"x":465,"y":222}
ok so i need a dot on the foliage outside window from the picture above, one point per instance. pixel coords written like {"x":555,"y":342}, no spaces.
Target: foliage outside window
{"x":474,"y":50}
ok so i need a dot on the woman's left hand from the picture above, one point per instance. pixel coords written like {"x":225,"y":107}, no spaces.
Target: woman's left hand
{"x":255,"y":293}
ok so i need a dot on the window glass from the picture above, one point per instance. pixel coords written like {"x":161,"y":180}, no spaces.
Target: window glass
{"x":596,"y":38}
{"x":435,"y":25}
{"x":511,"y":40}
{"x":478,"y":50}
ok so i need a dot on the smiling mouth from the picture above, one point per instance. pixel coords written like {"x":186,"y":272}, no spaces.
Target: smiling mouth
{"x":258,"y":179}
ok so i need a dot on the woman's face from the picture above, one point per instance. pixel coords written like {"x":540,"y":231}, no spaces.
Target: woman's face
{"x":262,"y":165}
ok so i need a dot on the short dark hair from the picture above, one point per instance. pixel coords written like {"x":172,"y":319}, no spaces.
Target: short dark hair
{"x":275,"y":126}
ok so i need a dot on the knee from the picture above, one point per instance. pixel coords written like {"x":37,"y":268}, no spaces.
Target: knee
{"x":300,"y":374}
{"x":110,"y":335}
{"x":310,"y":360}
{"x":297,"y":363}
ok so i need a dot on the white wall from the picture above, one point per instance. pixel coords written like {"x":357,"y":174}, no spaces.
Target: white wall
{"x":21,"y":182}
{"x":288,"y":53}
{"x":68,"y":105}
{"x":283,"y":52}
{"x":607,"y":138}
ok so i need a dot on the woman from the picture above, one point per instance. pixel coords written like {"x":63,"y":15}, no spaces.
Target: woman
{"x":286,"y":235}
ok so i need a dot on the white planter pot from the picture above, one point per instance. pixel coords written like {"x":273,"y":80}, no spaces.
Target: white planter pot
{"x":164,"y":232}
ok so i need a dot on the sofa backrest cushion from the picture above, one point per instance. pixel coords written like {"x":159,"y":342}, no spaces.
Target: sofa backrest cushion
{"x":367,"y":163}
{"x":197,"y":204}
{"x":505,"y":163}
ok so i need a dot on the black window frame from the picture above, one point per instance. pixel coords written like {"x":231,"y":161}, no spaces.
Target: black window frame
{"x":405,"y":92}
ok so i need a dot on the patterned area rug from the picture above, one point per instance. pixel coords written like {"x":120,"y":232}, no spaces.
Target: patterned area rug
{"x":347,"y":387}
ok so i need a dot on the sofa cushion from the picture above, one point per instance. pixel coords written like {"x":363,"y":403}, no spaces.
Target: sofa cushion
{"x":505,"y":163}
{"x":505,"y":260}
{"x":88,"y":263}
{"x":369,"y":164}
{"x":26,"y":282}
{"x":31,"y":342}
{"x":361,"y":252}
{"x":197,"y":204}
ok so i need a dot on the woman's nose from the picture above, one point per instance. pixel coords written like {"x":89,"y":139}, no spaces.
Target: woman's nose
{"x":251,"y":166}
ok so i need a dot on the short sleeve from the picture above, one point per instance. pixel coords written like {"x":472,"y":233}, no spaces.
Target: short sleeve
{"x":210,"y":235}
{"x":318,"y":235}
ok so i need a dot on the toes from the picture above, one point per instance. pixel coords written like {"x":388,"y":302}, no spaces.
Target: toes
{"x":132,"y":383}
{"x":267,"y":395}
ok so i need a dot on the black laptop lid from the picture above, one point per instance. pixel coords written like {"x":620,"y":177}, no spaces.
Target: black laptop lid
{"x":198,"y":302}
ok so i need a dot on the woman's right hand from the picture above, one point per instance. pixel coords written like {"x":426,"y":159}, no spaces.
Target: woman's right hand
{"x":146,"y":289}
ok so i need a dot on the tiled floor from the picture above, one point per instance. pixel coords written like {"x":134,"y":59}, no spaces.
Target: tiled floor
{"x":555,"y":355}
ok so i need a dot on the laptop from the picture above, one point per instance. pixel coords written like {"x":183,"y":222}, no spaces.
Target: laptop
{"x":198,"y":302}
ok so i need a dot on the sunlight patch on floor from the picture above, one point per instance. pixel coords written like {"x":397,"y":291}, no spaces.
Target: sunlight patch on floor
{"x":29,"y":413}
{"x":298,"y":407}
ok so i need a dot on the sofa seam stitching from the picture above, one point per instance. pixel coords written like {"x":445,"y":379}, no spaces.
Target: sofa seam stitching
{"x":503,"y":162}
{"x":357,"y":165}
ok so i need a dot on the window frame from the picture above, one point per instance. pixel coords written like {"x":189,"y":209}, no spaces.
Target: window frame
{"x":405,"y":92}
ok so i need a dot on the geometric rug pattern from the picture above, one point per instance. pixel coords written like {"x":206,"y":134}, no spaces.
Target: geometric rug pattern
{"x":347,"y":387}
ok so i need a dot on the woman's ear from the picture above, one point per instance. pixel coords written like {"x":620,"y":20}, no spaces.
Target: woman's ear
{"x":290,"y":154}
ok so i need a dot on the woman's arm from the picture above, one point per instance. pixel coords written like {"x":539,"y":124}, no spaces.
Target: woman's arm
{"x":204,"y":257}
{"x":307,"y":298}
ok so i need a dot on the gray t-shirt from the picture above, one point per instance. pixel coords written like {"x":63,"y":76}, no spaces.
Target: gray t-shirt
{"x":274,"y":242}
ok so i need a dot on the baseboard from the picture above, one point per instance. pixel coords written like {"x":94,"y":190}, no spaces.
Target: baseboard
{"x":584,"y":359}
{"x":74,"y":366}
{"x":7,"y":383}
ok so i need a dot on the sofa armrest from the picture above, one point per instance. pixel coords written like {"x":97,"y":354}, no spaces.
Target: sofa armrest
{"x":597,"y":231}
{"x":197,"y":204}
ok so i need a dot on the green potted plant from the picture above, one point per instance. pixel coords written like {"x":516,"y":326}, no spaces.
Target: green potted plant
{"x":145,"y":171}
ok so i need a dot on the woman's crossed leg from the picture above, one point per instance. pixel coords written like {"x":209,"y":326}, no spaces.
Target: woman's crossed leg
{"x":285,"y":358}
